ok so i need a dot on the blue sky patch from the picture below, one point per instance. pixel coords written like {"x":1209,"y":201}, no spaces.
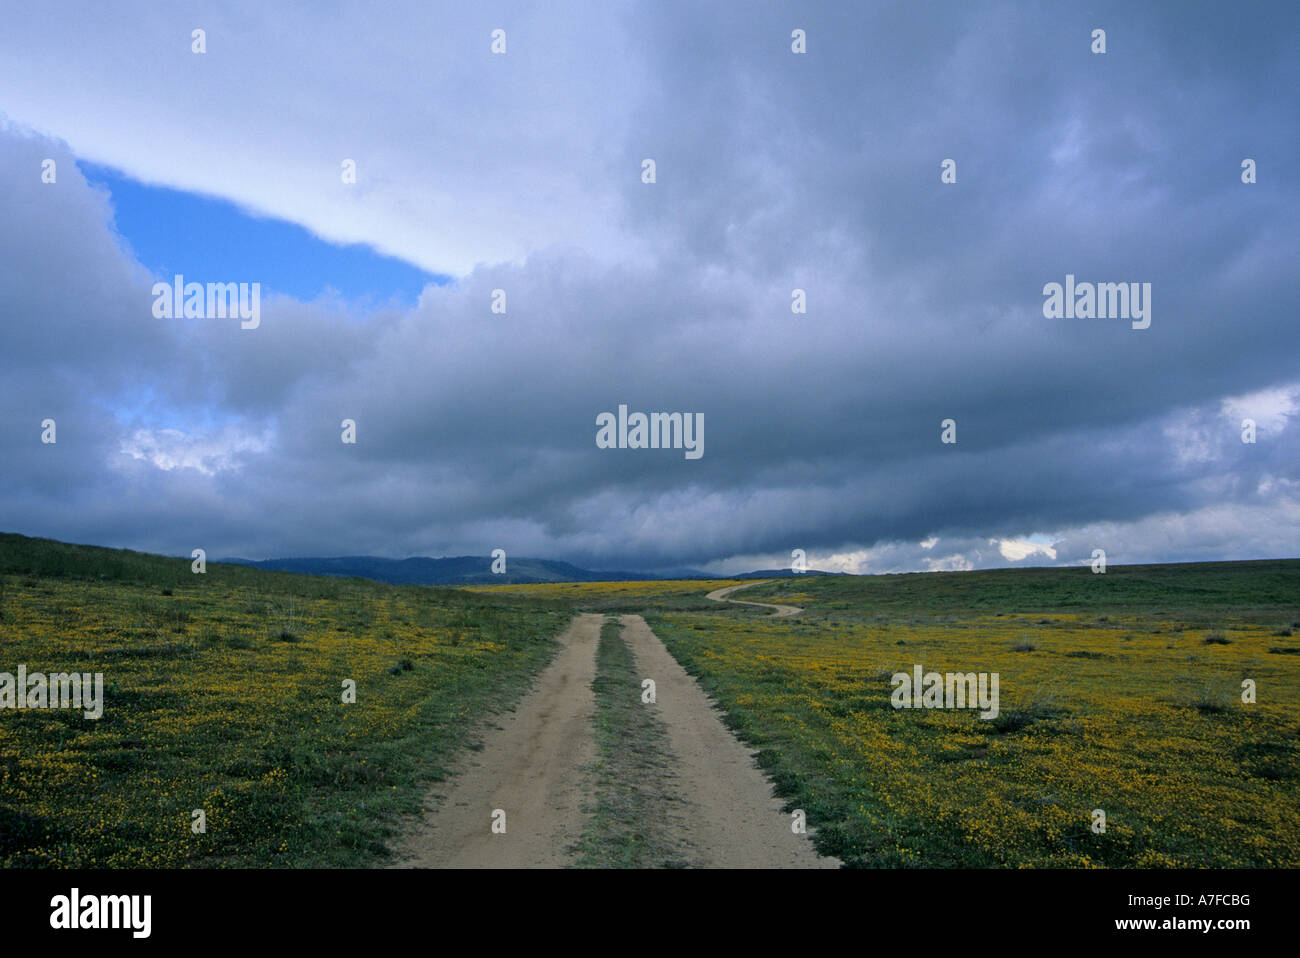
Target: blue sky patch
{"x":212,"y":240}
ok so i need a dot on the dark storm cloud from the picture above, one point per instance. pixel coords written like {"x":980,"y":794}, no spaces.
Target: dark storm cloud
{"x":775,"y":171}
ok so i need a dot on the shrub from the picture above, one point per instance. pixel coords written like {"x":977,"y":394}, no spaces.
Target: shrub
{"x":1036,"y":707}
{"x":1213,"y":698}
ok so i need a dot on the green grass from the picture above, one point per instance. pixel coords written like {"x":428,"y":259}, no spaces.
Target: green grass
{"x":1263,"y":591}
{"x":629,"y":822}
{"x":1131,"y":701}
{"x":223,"y":692}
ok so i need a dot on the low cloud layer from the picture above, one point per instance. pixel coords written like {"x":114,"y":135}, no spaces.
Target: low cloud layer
{"x":775,"y":171}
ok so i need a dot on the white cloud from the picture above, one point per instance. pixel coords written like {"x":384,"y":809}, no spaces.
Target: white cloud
{"x":952,"y":563}
{"x":476,"y":431}
{"x":1271,"y":409}
{"x":170,"y":449}
{"x":462,"y":156}
{"x":1018,"y":549}
{"x":855,"y":563}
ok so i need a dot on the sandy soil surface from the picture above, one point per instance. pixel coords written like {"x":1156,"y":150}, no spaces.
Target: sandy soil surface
{"x":534,"y":765}
{"x":731,"y":819}
{"x":720,"y":595}
{"x":531,"y":766}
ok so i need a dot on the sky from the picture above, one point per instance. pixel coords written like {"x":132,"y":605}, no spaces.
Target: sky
{"x":524,"y":172}
{"x":172,"y":231}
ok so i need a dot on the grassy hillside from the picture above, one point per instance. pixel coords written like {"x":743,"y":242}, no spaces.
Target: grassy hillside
{"x":423,"y":570}
{"x":224,"y":693}
{"x":1120,"y":692}
{"x":678,"y":595}
{"x":1265,"y":589}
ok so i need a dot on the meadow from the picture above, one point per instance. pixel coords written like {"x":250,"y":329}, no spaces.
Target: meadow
{"x":224,"y":693}
{"x":674,"y":595}
{"x":1120,"y":692}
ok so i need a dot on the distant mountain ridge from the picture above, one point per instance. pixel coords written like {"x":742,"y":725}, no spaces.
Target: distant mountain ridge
{"x":473,"y":570}
{"x":452,"y":570}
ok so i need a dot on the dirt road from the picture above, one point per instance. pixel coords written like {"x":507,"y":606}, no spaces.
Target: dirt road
{"x":530,"y":767}
{"x":778,"y":611}
{"x":731,"y":818}
{"x":536,"y":767}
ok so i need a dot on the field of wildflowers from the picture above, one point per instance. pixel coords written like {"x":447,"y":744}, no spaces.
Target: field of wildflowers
{"x":1121,"y":694}
{"x":636,"y":596}
{"x":223,"y":693}
{"x":1129,"y":702}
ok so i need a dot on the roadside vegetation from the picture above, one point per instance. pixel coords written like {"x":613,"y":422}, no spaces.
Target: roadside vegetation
{"x":1120,"y":692}
{"x":224,"y":693}
{"x":630,"y":821}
